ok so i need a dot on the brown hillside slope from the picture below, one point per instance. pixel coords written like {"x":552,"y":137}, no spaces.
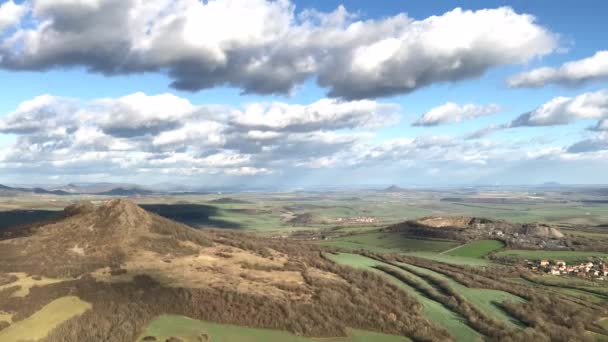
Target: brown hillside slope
{"x":132,"y":266}
{"x":91,"y":237}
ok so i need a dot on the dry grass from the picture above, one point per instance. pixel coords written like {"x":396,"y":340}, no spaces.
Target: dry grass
{"x":219,"y":267}
{"x":6,"y":317}
{"x":40,"y":324}
{"x":26,"y":282}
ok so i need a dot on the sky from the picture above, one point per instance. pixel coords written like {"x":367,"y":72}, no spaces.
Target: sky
{"x":303,"y":93}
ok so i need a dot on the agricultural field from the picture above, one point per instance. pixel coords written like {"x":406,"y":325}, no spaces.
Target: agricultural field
{"x":476,"y":249}
{"x":389,"y":243}
{"x":451,"y":259}
{"x":191,"y":330}
{"x":38,"y":325}
{"x":568,"y":256}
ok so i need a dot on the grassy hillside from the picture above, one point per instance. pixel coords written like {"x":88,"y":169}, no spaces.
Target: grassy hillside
{"x":476,"y":249}
{"x":382,"y":242}
{"x":434,"y":311}
{"x":484,"y":299}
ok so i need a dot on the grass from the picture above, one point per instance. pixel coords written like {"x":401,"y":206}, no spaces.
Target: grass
{"x":188,"y":330}
{"x":40,"y":324}
{"x":484,"y":299}
{"x":434,"y":311}
{"x":583,"y":295}
{"x":26,"y":282}
{"x":451,"y":259}
{"x":476,"y":249}
{"x":6,"y":317}
{"x":389,"y":242}
{"x":568,"y":256}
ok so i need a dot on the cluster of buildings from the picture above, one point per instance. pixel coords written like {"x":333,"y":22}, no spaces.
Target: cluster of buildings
{"x":359,"y":219}
{"x":591,"y":269}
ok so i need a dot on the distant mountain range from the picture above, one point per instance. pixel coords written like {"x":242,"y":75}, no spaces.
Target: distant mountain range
{"x":106,"y":189}
{"x":7,"y":190}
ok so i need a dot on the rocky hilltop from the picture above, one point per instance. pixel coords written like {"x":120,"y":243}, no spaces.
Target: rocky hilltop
{"x":472,"y":228}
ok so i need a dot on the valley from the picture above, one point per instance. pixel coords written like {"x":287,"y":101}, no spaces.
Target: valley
{"x":294,"y":267}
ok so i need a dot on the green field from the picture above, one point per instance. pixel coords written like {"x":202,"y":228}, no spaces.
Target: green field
{"x":568,"y":256}
{"x":434,"y":311}
{"x":451,"y":259}
{"x":389,"y":243}
{"x":189,"y":330}
{"x":485,"y":299}
{"x":603,"y":323}
{"x":40,"y":324}
{"x":476,"y":249}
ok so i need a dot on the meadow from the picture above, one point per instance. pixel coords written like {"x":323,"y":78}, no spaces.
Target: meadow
{"x":389,"y":243}
{"x":191,"y":330}
{"x":476,"y":249}
{"x":42,"y":322}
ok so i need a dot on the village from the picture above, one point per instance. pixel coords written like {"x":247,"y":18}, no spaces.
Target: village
{"x":597,"y":268}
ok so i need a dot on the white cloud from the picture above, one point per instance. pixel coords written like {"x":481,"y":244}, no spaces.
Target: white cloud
{"x":594,"y":68}
{"x":166,"y":132}
{"x":563,"y":110}
{"x":452,"y":113}
{"x":323,"y":114}
{"x":560,"y":110}
{"x":265,"y":47}
{"x":10,"y":14}
{"x":70,"y":138}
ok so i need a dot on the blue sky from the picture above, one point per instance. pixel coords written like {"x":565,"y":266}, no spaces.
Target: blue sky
{"x":361,"y":130}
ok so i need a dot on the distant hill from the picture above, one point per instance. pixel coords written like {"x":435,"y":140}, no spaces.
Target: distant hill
{"x":126,"y":192}
{"x":394,"y":188}
{"x":228,"y":200}
{"x":304,"y":219}
{"x":92,"y":188}
{"x":466,"y":228}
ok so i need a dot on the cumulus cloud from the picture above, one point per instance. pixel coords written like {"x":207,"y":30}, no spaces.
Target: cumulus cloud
{"x":452,"y":113}
{"x":10,"y":14}
{"x":562,"y":110}
{"x":165,"y":132}
{"x":558,"y":111}
{"x":594,"y":68}
{"x":323,"y":114}
{"x":63,"y":137}
{"x":267,"y":47}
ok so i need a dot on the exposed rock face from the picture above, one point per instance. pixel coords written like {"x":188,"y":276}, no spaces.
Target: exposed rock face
{"x":471,"y":228}
{"x":541,"y":230}
{"x":456,"y":221}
